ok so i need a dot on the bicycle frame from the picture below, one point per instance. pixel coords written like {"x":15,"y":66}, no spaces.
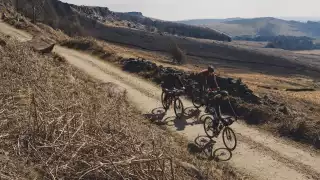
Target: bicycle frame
{"x":215,"y":111}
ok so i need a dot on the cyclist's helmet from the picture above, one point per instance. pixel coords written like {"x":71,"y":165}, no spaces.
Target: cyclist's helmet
{"x":211,"y":69}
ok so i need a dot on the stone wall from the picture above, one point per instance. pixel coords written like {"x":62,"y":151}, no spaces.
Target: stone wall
{"x":156,"y":73}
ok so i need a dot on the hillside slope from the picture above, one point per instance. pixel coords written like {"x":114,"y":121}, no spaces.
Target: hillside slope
{"x":59,"y":123}
{"x":63,"y":16}
{"x":132,"y":20}
{"x":261,"y":26}
{"x":136,"y":20}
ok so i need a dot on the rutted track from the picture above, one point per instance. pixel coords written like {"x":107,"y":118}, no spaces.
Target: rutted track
{"x":259,"y":154}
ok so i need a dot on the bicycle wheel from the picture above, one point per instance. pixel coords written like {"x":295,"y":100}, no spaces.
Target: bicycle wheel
{"x":163,"y":100}
{"x":178,"y":107}
{"x":229,"y":138}
{"x":196,"y":98}
{"x":208,"y":127}
{"x":208,"y":149}
{"x":167,"y":99}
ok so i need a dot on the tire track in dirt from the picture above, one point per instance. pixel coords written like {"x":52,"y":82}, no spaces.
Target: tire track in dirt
{"x":299,"y":167}
{"x":248,"y":157}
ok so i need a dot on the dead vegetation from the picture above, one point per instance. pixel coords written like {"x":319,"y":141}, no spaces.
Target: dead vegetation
{"x":89,"y":45}
{"x":178,"y":55}
{"x":38,"y":30}
{"x":298,"y":112}
{"x":61,"y":124}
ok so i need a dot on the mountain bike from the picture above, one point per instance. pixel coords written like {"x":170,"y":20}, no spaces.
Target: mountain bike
{"x":213,"y":126}
{"x":199,"y":95}
{"x":170,"y":96}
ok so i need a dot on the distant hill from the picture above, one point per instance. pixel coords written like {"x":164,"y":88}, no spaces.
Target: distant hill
{"x":206,"y":21}
{"x":265,"y":26}
{"x":301,"y":19}
{"x":136,"y":20}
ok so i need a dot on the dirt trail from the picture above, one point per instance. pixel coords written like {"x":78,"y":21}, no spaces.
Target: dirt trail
{"x":15,"y":33}
{"x":259,"y":154}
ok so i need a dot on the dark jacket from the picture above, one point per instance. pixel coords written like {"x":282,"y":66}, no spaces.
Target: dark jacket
{"x":171,"y":81}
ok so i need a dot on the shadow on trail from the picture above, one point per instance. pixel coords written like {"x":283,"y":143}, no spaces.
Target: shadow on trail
{"x":203,"y":148}
{"x":191,"y":112}
{"x":156,"y":116}
{"x":190,"y":118}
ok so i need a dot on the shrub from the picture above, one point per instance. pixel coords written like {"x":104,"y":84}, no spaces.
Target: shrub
{"x":178,"y":55}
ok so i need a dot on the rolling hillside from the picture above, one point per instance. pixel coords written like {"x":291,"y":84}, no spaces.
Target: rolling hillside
{"x":86,"y":21}
{"x":265,"y":26}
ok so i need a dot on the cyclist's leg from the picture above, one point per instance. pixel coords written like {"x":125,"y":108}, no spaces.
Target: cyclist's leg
{"x":204,"y":90}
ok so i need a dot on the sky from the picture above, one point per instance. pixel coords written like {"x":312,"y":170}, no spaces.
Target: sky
{"x":210,"y":9}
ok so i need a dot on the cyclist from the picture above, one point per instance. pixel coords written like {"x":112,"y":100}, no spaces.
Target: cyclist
{"x":204,"y":77}
{"x":3,"y":15}
{"x":171,"y":81}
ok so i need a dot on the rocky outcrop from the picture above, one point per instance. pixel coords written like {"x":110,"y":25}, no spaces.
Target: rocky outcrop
{"x":59,"y":14}
{"x":97,"y":13}
{"x":45,"y":50}
{"x":135,"y":13}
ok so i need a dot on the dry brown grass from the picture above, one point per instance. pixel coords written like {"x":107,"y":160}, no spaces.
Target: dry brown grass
{"x":256,"y":81}
{"x":119,"y":52}
{"x":62,"y":124}
{"x":303,"y":122}
{"x":39,"y":31}
{"x":89,"y":45}
{"x":312,"y":52}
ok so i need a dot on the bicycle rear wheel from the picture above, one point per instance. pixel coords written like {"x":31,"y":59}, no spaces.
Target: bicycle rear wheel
{"x":178,"y":107}
{"x":196,"y":98}
{"x":229,"y":138}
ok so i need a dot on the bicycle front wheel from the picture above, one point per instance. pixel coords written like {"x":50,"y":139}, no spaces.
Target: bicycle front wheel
{"x":229,"y":138}
{"x":167,"y":99}
{"x":163,"y":95}
{"x":178,"y":107}
{"x":208,"y":127}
